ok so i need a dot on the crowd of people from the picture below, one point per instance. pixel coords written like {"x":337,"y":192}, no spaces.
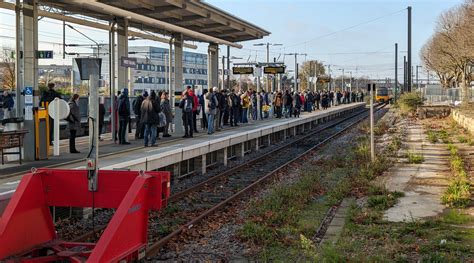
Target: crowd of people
{"x":214,"y":108}
{"x":219,"y":108}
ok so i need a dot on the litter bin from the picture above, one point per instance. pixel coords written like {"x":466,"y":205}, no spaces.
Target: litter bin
{"x":12,"y":124}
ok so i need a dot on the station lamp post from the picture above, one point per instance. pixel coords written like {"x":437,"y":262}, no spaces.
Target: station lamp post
{"x":342,"y":80}
{"x":268,"y":54}
{"x":296,"y":67}
{"x":228,"y":76}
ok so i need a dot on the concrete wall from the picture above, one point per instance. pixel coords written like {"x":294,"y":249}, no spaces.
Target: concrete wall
{"x":257,"y":136}
{"x":462,"y":119}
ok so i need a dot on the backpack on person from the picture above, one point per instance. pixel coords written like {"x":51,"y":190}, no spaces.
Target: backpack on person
{"x":188,"y":105}
{"x":162,"y":122}
{"x":122,"y":107}
{"x":212,"y":104}
{"x":137,"y":103}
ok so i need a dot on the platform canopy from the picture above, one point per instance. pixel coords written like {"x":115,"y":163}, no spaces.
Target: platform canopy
{"x":166,"y":16}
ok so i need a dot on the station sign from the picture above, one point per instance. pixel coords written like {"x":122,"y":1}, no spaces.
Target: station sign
{"x":44,"y":54}
{"x":127,"y":62}
{"x":88,"y":66}
{"x":274,"y":70}
{"x":324,"y":79}
{"x":242,"y":70}
{"x":28,"y":92}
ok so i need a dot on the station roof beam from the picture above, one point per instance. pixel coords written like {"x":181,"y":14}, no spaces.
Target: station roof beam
{"x":193,"y":15}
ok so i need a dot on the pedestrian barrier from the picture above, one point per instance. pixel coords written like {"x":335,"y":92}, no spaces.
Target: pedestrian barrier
{"x":27,"y":231}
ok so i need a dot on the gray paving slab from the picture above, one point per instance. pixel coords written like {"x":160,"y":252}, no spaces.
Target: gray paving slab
{"x":422,"y":184}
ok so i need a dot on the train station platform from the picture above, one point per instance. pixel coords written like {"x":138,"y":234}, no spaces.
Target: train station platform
{"x":182,"y":156}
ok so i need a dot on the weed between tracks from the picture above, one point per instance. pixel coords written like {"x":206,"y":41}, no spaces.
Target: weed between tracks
{"x":282,"y":225}
{"x":458,"y":192}
{"x":284,"y":222}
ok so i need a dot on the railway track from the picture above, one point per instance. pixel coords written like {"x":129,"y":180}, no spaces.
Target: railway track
{"x":202,"y":200}
{"x":199,"y":201}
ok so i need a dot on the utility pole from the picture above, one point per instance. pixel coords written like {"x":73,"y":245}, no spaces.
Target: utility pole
{"x":409,"y":70}
{"x":372,"y":144}
{"x":228,"y":67}
{"x":296,"y":68}
{"x":396,"y":70}
{"x":330,"y":80}
{"x":350,"y":83}
{"x":268,"y":55}
{"x":405,"y":74}
{"x":223,"y":70}
{"x":296,"y":73}
{"x":342,"y":81}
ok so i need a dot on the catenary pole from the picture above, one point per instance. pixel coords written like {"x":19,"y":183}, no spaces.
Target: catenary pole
{"x":409,"y":67}
{"x":396,"y":71}
{"x":372,"y":145}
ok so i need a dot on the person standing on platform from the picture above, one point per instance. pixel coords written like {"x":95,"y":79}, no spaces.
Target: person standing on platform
{"x":234,"y":104}
{"x":137,"y":104}
{"x":101,"y":116}
{"x":222,"y":107}
{"x":211,"y":105}
{"x":245,"y":107}
{"x":124,"y":115}
{"x":149,"y":118}
{"x":202,"y":101}
{"x":278,"y":102}
{"x":287,"y":103}
{"x":46,"y":98}
{"x":195,"y":99}
{"x":186,"y":105}
{"x":317,"y":99}
{"x":8,"y":104}
{"x":74,"y":122}
{"x":166,"y":108}
{"x":296,"y":105}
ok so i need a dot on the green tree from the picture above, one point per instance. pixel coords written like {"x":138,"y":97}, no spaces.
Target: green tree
{"x":311,"y":68}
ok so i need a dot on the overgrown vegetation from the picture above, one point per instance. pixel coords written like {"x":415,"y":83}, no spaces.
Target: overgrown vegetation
{"x":381,"y":128}
{"x":458,"y":192}
{"x":285,"y":221}
{"x":415,"y":158}
{"x":368,"y":238}
{"x":409,"y":101}
{"x":395,"y":145}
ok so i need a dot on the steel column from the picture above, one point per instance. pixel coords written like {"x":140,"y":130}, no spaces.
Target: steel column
{"x":178,"y":75}
{"x":212,"y":66}
{"x":409,"y":69}
{"x":112,"y":82}
{"x":30,"y":76}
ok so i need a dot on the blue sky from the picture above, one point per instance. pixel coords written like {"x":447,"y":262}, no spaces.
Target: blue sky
{"x":337,"y":32}
{"x":299,"y":25}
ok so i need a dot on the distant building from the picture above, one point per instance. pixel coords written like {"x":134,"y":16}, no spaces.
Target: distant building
{"x":152,"y":68}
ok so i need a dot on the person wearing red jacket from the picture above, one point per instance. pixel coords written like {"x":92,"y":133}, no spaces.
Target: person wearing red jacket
{"x":196,"y":106}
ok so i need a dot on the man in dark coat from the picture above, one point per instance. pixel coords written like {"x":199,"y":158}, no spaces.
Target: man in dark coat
{"x":124,"y":115}
{"x":46,"y":98}
{"x":137,"y":104}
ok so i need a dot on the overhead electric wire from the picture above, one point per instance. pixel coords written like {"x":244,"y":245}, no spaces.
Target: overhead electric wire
{"x":347,"y":28}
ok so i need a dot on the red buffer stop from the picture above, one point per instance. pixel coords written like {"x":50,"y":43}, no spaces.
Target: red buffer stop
{"x":27,"y":232}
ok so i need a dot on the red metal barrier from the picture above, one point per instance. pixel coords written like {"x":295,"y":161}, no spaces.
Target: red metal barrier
{"x":27,"y":233}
